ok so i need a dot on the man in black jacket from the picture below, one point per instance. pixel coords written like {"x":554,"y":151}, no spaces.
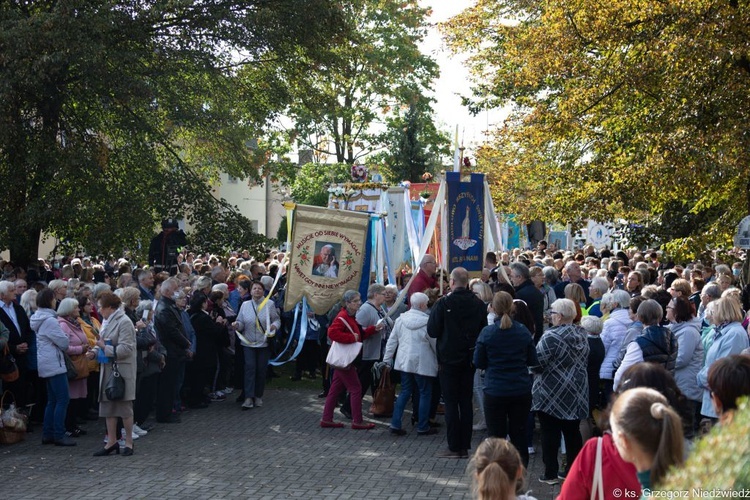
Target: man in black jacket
{"x":526,"y":291}
{"x":455,"y":321}
{"x":20,"y":337}
{"x":171,"y":334}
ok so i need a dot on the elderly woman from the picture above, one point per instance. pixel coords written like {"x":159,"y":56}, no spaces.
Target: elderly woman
{"x":78,"y":345}
{"x":599,"y":286}
{"x":656,"y":344}
{"x":118,"y":343}
{"x":256,"y":324}
{"x":540,"y":281}
{"x":211,"y":337}
{"x":728,"y":338}
{"x":346,"y":330}
{"x":416,"y":360}
{"x":560,"y":393}
{"x":614,"y":331}
{"x":60,"y":289}
{"x":51,"y":343}
{"x":505,"y":350}
{"x":390,"y":295}
{"x":90,"y":326}
{"x":131,"y":297}
{"x":687,"y":330}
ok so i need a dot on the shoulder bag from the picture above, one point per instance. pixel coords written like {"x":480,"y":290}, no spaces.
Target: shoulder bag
{"x":72,"y":371}
{"x":8,"y":367}
{"x":597,"y":486}
{"x":385,"y":396}
{"x":114,"y":388}
{"x":342,"y":355}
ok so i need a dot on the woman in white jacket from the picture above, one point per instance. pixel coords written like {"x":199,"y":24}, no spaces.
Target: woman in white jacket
{"x":255,"y":325}
{"x":51,"y":343}
{"x":416,"y":360}
{"x":615,"y":329}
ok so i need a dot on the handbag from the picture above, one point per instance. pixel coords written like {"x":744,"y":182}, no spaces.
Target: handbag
{"x":597,"y":486}
{"x":81,"y":365}
{"x":114,"y":388}
{"x":8,"y":367}
{"x":72,"y":372}
{"x":342,"y":355}
{"x":385,"y":396}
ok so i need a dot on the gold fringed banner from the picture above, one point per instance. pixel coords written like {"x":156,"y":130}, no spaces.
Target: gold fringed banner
{"x":326,"y":256}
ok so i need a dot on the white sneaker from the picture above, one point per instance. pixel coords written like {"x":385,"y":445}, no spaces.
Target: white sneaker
{"x":479,"y":427}
{"x":532,"y":451}
{"x":258,"y":402}
{"x":217,"y":396}
{"x":135,"y":436}
{"x":121,"y":442}
{"x":228,"y":390}
{"x":248,"y":404}
{"x":137,"y":431}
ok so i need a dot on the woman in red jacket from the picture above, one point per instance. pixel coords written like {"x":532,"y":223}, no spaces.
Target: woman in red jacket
{"x":345,"y":330}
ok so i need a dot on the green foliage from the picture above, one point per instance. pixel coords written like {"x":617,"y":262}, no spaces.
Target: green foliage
{"x":721,"y":460}
{"x":310,"y":185}
{"x":618,"y":110}
{"x":283,"y":232}
{"x":116,"y":114}
{"x":379,"y":69}
{"x":415,"y":146}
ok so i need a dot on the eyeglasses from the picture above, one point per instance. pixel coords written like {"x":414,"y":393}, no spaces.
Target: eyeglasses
{"x":555,"y":312}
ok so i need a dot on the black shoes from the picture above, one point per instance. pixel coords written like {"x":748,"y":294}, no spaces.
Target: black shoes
{"x":106,"y":451}
{"x":430,"y":432}
{"x":127,"y":452}
{"x":346,"y":413}
{"x":323,"y":394}
{"x":66,"y":441}
{"x":397,"y":432}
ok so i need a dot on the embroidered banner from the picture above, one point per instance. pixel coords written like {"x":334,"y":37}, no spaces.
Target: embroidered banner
{"x":326,"y":256}
{"x":466,"y":223}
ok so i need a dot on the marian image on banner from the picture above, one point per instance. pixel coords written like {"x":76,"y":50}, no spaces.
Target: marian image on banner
{"x":326,"y":256}
{"x":466,"y":223}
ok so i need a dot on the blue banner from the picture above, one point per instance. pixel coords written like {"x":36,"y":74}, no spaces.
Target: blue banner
{"x":465,"y":222}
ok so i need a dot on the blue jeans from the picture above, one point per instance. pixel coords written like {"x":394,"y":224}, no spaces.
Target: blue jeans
{"x":57,"y":406}
{"x":410,"y":381}
{"x":256,"y":363}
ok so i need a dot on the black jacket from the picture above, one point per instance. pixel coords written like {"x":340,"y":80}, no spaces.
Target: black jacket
{"x":15,"y":337}
{"x":455,"y":321}
{"x":169,"y":328}
{"x":162,"y":253}
{"x":210,"y":336}
{"x":658,"y":345}
{"x":530,"y":294}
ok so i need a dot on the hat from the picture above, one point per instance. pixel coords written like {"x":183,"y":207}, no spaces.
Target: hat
{"x":169,"y":224}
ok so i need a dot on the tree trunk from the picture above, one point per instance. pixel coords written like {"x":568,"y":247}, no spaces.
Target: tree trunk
{"x":24,"y":248}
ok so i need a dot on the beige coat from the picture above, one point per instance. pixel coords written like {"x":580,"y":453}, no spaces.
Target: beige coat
{"x":120,"y":330}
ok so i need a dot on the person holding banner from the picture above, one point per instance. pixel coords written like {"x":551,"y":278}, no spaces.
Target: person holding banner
{"x":257,"y":320}
{"x":425,"y":277}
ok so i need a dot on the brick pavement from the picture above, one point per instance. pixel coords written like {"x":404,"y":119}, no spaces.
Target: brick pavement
{"x":277,"y":451}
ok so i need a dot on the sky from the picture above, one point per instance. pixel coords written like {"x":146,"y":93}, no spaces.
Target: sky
{"x":453,"y":80}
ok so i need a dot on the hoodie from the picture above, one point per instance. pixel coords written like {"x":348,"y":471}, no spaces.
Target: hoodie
{"x":51,"y":342}
{"x":416,"y":350}
{"x":561,"y":384}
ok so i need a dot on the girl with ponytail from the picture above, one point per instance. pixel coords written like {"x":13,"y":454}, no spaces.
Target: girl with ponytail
{"x":505,"y":350}
{"x":647,"y":433}
{"x":496,"y":471}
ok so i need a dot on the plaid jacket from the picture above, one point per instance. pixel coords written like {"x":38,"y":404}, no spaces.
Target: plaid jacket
{"x":561,"y":386}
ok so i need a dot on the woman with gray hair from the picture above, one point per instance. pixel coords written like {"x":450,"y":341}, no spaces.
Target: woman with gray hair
{"x":615,"y":329}
{"x":78,"y":345}
{"x":656,"y":344}
{"x":346,"y":330}
{"x":560,"y":393}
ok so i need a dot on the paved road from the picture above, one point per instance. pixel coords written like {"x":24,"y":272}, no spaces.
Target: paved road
{"x":277,"y":451}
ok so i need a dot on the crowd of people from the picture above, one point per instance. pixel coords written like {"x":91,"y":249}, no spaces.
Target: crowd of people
{"x":622,"y":355}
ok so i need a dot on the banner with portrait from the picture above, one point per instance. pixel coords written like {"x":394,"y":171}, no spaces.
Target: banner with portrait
{"x":326,"y":256}
{"x":466,"y":222}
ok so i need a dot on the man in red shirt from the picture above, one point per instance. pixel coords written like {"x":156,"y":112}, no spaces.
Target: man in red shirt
{"x":425,"y":277}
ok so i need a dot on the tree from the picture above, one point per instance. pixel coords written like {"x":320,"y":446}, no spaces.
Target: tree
{"x":311,"y":182}
{"x":415,"y":146}
{"x":116,"y":114}
{"x":619,"y":109}
{"x":379,"y":69}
